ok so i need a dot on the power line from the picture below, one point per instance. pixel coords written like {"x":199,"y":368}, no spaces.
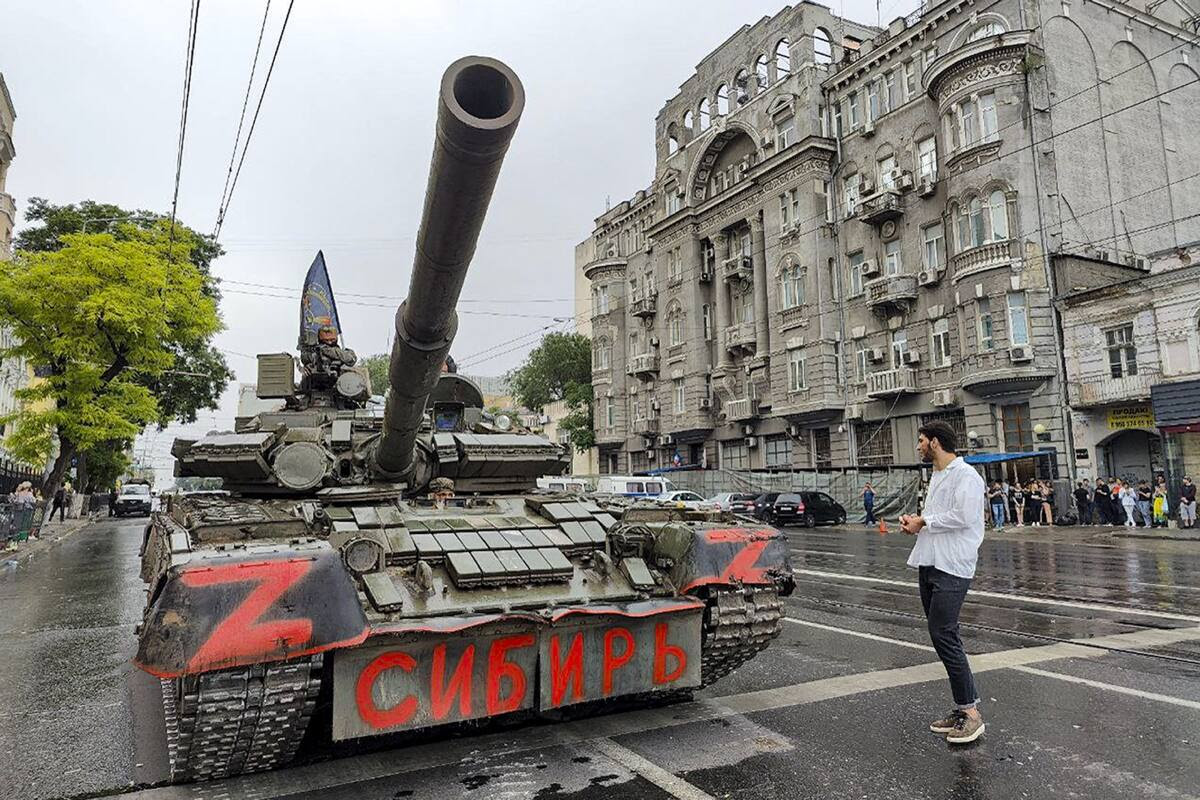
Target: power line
{"x":253,"y":123}
{"x":241,"y":119}
{"x":392,"y":306}
{"x":397,"y":297}
{"x":193,"y":25}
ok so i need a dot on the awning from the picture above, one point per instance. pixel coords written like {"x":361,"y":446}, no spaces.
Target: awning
{"x":995,"y":458}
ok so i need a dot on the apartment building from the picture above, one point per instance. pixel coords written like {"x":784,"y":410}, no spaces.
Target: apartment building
{"x":851,"y":231}
{"x":14,"y":372}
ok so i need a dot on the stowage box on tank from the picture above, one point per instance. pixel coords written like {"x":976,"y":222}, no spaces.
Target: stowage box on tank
{"x":399,"y":561}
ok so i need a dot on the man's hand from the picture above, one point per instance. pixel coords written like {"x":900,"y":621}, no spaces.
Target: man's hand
{"x":911,"y":523}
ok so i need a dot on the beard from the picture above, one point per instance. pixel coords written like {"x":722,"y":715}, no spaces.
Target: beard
{"x":926,"y":455}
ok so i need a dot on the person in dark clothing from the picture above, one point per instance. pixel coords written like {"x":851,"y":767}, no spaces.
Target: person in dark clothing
{"x":1083,"y":497}
{"x":1100,"y":502}
{"x":1144,"y":498}
{"x":1033,"y":502}
{"x":1187,"y":503}
{"x":868,"y":497}
{"x":60,"y":503}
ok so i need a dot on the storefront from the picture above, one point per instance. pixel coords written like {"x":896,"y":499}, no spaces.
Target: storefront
{"x":1177,"y":414}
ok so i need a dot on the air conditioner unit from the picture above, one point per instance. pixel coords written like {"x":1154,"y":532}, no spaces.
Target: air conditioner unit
{"x":944,"y":397}
{"x":751,"y":441}
{"x":927,"y":185}
{"x":1020,"y":352}
{"x":868,"y":128}
{"x":875,"y":354}
{"x":866,"y":187}
{"x":705,"y":403}
{"x":854,"y":411}
{"x":869,"y":268}
{"x":648,"y":444}
{"x":912,"y":356}
{"x":928,"y":277}
{"x":665,"y":440}
{"x":654,"y":341}
{"x":902,"y":180}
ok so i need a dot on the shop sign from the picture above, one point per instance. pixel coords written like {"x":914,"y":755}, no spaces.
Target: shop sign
{"x":1120,"y":419}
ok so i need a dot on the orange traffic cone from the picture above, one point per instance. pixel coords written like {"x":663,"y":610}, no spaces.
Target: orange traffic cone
{"x":883,"y":529}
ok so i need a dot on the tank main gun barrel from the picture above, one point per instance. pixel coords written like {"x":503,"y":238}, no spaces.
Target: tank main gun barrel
{"x":479,"y":105}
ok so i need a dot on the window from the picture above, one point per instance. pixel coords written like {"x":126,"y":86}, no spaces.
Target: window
{"x":602,"y":355}
{"x":975,"y":210}
{"x":855,"y":283}
{"x":785,"y":132}
{"x":722,"y":100}
{"x":928,"y":56}
{"x":741,"y":87}
{"x":910,"y":81}
{"x":874,"y":441}
{"x":931,"y":257}
{"x":985,"y":30}
{"x":968,"y":123}
{"x":783,"y":59}
{"x":761,"y":76}
{"x":827,"y":192}
{"x":672,"y":144}
{"x":886,"y":166}
{"x":792,"y":282}
{"x":939,"y":345}
{"x":927,"y":158}
{"x":777,"y":451}
{"x":899,"y":348}
{"x":873,"y":100}
{"x":1122,"y":353}
{"x":743,"y":306}
{"x":688,"y":121}
{"x":998,"y":213}
{"x":893,"y":264}
{"x":837,"y":119}
{"x":822,"y":445}
{"x":987,"y":117}
{"x":974,"y":122}
{"x":674,"y":264}
{"x":735,"y":455}
{"x":855,"y":112}
{"x":795,"y":370}
{"x":680,"y":396}
{"x":706,"y":314}
{"x":599,"y":300}
{"x":635,"y":344}
{"x":674,"y":201}
{"x":850,"y":193}
{"x":838,"y":367}
{"x":610,"y":413}
{"x":1018,"y":432}
{"x":1018,"y":319}
{"x":860,"y":365}
{"x":822,"y":47}
{"x":675,"y":327}
{"x":705,"y":115}
{"x":891,"y":91}
{"x":984,"y":311}
{"x":789,"y":209}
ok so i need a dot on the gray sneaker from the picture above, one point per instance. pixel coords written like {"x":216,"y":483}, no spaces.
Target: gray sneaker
{"x":966,"y":729}
{"x":946,"y":723}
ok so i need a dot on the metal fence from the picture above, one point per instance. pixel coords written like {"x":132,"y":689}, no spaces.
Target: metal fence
{"x":19,"y":521}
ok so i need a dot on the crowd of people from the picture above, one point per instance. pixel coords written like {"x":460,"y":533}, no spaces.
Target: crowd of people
{"x":1108,"y":502}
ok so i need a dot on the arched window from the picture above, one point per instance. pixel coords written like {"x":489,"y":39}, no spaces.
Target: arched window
{"x":783,"y":59}
{"x":722,"y":100}
{"x":822,"y":47}
{"x":602,"y":354}
{"x":998,"y":210}
{"x":741,"y":87}
{"x":705,"y":116}
{"x":688,"y":121}
{"x":675,"y":325}
{"x":977,"y":224}
{"x":791,"y":281}
{"x":672,"y":139}
{"x":985,"y":30}
{"x":761,"y":75}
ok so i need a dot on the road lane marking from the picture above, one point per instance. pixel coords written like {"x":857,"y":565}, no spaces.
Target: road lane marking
{"x":1108,"y":687}
{"x":449,"y":753}
{"x":669,"y":782}
{"x":1046,"y":601}
{"x":862,"y":634}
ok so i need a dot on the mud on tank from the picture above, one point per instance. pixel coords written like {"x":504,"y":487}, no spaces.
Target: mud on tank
{"x":398,"y":563}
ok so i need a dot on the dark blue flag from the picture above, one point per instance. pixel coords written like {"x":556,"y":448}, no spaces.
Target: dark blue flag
{"x":317,"y":308}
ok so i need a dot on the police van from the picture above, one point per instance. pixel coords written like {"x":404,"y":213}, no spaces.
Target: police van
{"x":563,"y":483}
{"x":633,"y":485}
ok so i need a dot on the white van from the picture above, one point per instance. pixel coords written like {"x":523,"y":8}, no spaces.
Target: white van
{"x":563,"y":483}
{"x":633,"y":485}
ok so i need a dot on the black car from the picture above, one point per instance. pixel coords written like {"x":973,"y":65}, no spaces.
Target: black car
{"x":762,"y":506}
{"x":742,"y":503}
{"x":787,"y":508}
{"x":821,"y":508}
{"x":133,"y":499}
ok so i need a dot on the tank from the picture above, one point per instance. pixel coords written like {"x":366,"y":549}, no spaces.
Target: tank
{"x":380,"y":569}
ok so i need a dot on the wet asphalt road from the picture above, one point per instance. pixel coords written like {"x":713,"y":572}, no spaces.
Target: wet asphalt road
{"x":836,"y":707}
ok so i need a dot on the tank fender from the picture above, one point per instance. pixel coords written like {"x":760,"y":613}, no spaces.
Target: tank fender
{"x":725,"y":555}
{"x":222,"y":610}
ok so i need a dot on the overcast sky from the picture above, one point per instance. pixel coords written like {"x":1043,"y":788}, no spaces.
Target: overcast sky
{"x":341,"y":151}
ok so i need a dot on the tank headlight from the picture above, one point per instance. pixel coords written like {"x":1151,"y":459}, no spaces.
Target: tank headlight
{"x":503,"y":421}
{"x":362,"y":555}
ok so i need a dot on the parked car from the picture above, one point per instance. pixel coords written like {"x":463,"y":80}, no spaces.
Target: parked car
{"x":737,"y":502}
{"x":820,"y":508}
{"x":762,"y":505}
{"x":133,"y":499}
{"x":787,"y":509}
{"x":685,"y":498}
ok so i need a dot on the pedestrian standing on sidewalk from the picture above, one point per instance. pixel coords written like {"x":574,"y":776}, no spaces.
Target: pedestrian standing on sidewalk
{"x":1083,"y":496}
{"x":1144,"y":500}
{"x":1115,"y":500}
{"x":1048,"y":503}
{"x":949,"y":530}
{"x":1018,"y":496}
{"x":1128,"y":502}
{"x":996,"y":500}
{"x":1033,"y":501}
{"x":1187,"y":503}
{"x":868,"y":498}
{"x":60,"y":503}
{"x":1100,"y":501}
{"x":1160,"y":506}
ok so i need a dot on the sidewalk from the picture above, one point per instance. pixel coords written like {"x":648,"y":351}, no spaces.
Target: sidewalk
{"x":50,"y":535}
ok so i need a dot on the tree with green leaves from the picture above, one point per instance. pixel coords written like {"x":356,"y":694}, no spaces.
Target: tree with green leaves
{"x":377,"y":367}
{"x":559,"y":369}
{"x":104,"y":317}
{"x":200,"y":372}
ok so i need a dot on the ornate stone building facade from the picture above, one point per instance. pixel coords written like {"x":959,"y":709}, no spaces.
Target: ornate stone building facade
{"x":850,"y":231}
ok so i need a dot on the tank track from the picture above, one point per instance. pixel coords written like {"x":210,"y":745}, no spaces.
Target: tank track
{"x":239,"y":720}
{"x":738,"y":623}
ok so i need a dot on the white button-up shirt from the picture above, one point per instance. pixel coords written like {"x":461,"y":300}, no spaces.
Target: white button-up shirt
{"x":953,"y":513}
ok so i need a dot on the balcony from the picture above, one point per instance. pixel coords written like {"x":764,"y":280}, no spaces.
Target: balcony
{"x":984,"y":257}
{"x":643,"y":304}
{"x":891,"y":293}
{"x":995,"y":374}
{"x":646,"y":426}
{"x":880,"y":207}
{"x":892,"y":382}
{"x":738,"y":268}
{"x":1102,"y":390}
{"x":740,"y":337}
{"x":644,"y":365}
{"x":741,"y":409}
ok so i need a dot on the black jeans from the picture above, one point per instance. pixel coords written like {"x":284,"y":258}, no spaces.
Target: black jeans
{"x":942,"y":596}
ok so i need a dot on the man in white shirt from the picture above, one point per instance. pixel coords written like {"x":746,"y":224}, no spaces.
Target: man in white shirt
{"x":949,"y":530}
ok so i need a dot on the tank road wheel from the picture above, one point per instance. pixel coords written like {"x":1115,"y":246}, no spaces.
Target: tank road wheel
{"x":232,"y":721}
{"x":737,"y":624}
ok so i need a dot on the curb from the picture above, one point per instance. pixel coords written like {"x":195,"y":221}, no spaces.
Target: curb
{"x":1158,"y":536}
